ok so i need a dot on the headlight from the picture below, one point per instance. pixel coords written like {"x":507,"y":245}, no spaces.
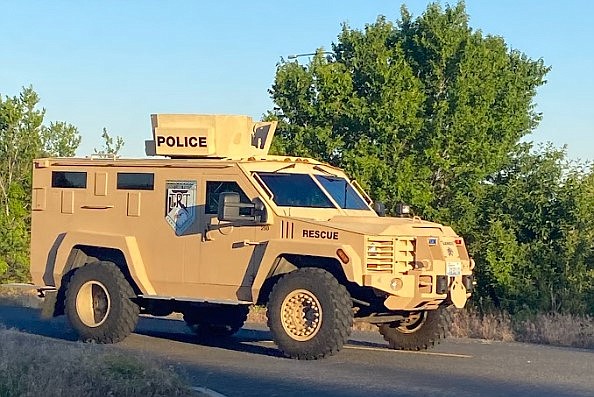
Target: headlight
{"x":402,"y":209}
{"x":372,"y":250}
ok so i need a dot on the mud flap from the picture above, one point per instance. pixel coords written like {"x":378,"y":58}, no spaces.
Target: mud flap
{"x":48,"y":307}
{"x":458,"y":294}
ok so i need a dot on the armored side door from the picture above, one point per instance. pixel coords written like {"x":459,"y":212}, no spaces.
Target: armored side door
{"x":227,"y":249}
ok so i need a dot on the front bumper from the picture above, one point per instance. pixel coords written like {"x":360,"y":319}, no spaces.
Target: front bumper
{"x":419,"y":291}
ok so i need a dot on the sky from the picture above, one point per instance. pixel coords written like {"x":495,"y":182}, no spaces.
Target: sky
{"x":112,"y":63}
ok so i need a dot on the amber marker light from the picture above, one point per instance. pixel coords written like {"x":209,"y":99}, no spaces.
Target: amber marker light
{"x":342,"y":256}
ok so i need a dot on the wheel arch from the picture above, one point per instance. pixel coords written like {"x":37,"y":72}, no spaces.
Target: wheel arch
{"x":280,"y":257}
{"x":288,"y":262}
{"x":78,"y":249}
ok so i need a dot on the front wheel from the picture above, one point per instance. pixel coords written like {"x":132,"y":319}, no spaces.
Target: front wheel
{"x":418,"y":331}
{"x":98,"y":303}
{"x":309,"y":314}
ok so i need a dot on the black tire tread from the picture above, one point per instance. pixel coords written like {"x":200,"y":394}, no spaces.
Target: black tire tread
{"x":430,"y":334}
{"x":126,"y":320}
{"x":326,"y":345}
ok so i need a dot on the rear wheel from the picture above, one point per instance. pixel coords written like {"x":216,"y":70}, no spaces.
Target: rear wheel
{"x":419,"y":331}
{"x":216,"y":321}
{"x":98,"y":303}
{"x":309,"y":314}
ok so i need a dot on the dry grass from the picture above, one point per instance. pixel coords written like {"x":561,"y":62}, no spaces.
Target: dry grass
{"x":470,"y":324}
{"x":549,"y":329}
{"x":31,"y":365}
{"x":19,"y":296}
{"x":558,"y":329}
{"x":257,"y":315}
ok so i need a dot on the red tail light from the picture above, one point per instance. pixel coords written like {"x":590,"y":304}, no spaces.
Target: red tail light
{"x":458,"y":241}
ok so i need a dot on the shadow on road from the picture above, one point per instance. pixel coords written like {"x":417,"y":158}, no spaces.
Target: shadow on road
{"x":177,"y":331}
{"x":28,"y":320}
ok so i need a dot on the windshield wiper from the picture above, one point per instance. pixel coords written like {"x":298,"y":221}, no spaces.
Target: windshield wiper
{"x":284,"y":168}
{"x":319,"y":168}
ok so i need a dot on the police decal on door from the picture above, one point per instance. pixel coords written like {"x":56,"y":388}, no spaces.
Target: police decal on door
{"x":180,"y":211}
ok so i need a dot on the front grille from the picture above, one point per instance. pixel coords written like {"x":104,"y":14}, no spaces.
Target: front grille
{"x":390,"y":254}
{"x":380,"y":254}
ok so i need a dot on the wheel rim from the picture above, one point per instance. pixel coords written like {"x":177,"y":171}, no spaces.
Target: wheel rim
{"x":93,"y":304}
{"x":301,"y":315}
{"x":412,"y":323}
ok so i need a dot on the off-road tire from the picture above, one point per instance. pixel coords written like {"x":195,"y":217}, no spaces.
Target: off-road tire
{"x":325,"y":295}
{"x":426,"y":335}
{"x":217,"y":322}
{"x":102,"y":280}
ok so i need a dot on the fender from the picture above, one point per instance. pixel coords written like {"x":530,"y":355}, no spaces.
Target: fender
{"x":126,"y":244}
{"x":275,"y":248}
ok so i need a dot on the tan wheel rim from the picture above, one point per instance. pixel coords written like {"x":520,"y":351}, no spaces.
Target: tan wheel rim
{"x":412,"y":323}
{"x":93,"y":303}
{"x":301,"y":315}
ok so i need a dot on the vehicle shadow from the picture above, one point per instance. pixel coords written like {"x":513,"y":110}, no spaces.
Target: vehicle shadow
{"x":28,"y":320}
{"x":249,"y":339}
{"x":245,"y":340}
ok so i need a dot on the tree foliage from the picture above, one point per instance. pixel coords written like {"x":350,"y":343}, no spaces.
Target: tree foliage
{"x":535,"y":234}
{"x":419,"y":110}
{"x":59,"y":139}
{"x":23,"y":137}
{"x":111,"y":147}
{"x":431,"y":112}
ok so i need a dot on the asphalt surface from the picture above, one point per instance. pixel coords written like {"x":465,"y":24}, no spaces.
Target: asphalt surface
{"x":249,"y":364}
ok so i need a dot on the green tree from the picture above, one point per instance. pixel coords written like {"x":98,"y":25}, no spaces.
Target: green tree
{"x":111,"y":147}
{"x":20,"y":125}
{"x":23,"y":137}
{"x":420,"y":111}
{"x":59,"y":139}
{"x":429,"y":111}
{"x":538,"y":251}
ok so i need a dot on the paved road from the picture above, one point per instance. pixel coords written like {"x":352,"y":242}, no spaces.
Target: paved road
{"x":250,"y":365}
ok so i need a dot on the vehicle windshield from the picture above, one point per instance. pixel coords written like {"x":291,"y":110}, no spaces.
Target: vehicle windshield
{"x":342,"y":192}
{"x":295,"y":190}
{"x":300,"y":190}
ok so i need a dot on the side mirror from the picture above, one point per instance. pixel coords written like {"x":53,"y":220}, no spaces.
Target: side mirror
{"x":259,"y":212}
{"x":379,"y":208}
{"x":228,"y":209}
{"x":230,"y":205}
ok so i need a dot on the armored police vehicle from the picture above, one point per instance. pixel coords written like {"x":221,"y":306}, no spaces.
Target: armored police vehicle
{"x":218,"y":225}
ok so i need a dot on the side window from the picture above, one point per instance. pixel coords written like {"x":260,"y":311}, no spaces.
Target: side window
{"x":215,"y":188}
{"x":69,"y":179}
{"x":136,"y":181}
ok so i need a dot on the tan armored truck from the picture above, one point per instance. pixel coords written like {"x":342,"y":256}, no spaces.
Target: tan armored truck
{"x":219,"y":225}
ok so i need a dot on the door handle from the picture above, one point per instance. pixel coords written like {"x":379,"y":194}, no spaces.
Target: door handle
{"x":96,"y":207}
{"x":248,"y":242}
